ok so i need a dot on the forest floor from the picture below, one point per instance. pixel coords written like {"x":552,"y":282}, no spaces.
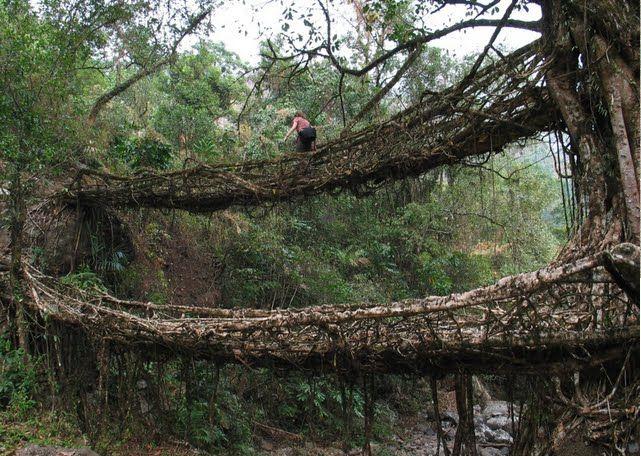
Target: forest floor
{"x":413,"y":436}
{"x":416,"y":436}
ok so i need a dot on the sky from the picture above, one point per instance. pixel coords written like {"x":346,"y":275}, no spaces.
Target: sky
{"x":241,"y":25}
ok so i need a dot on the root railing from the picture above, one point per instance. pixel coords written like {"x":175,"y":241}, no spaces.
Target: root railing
{"x":548,"y":317}
{"x":503,"y":104}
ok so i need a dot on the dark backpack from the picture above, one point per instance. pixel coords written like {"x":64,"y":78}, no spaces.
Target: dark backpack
{"x":307,"y":135}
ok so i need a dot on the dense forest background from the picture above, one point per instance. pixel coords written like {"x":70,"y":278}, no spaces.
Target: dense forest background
{"x":452,"y":229}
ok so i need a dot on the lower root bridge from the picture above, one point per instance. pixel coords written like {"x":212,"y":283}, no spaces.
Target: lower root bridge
{"x":556,"y":316}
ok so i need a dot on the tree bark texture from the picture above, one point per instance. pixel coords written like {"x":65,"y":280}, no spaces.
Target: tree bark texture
{"x":593,"y":79}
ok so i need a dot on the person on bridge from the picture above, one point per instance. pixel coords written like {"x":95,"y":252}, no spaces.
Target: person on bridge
{"x":306,"y":140}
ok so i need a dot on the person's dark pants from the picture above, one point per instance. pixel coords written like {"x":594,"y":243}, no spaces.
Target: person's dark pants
{"x":303,"y":146}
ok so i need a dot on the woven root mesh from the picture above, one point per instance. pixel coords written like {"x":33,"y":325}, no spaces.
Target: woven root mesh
{"x":547,"y":317}
{"x":504,"y":103}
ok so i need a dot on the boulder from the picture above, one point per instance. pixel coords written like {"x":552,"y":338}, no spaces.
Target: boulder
{"x":498,"y":422}
{"x":502,"y":422}
{"x":496,"y":408}
{"x":489,"y":451}
{"x":497,"y":436}
{"x":481,"y":431}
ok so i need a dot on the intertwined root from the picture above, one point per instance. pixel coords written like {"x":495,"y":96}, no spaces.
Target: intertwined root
{"x":503,"y":104}
{"x":521,"y":322}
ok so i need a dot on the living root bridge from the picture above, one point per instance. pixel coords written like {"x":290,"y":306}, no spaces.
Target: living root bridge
{"x":504,"y":103}
{"x":559,"y":316}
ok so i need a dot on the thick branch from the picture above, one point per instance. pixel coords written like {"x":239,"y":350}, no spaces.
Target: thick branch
{"x":105,"y":98}
{"x":442,"y":129}
{"x":426,"y":38}
{"x":385,"y":90}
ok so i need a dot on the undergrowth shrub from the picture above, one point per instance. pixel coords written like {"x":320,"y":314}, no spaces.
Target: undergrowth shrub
{"x":17,"y":378}
{"x":141,"y":152}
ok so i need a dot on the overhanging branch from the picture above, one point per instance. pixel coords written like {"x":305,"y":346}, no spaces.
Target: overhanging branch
{"x":105,"y":98}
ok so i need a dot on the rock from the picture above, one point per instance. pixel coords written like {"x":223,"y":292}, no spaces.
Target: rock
{"x":497,"y":436}
{"x":505,"y":451}
{"x":633,"y":448}
{"x":489,"y":451}
{"x":36,"y":450}
{"x":481,"y":431}
{"x":497,"y":422}
{"x":266,"y":445}
{"x":450,"y":416}
{"x":501,"y":422}
{"x":496,"y":408}
{"x":141,"y":384}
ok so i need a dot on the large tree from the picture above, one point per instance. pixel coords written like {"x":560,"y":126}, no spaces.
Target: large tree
{"x":50,"y":53}
{"x":591,"y":71}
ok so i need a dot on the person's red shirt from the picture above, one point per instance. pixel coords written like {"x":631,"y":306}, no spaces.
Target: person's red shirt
{"x":300,"y":123}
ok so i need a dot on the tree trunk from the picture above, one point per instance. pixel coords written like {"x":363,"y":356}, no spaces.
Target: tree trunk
{"x":465,"y":439}
{"x":593,"y":58}
{"x":368,"y":413}
{"x":17,"y":214}
{"x":602,"y":119}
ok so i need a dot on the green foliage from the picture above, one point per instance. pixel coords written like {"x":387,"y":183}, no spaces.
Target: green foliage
{"x":213,"y":416}
{"x":38,"y":427}
{"x":193,"y":420}
{"x":460,"y":233}
{"x":310,"y":406}
{"x":17,"y":378}
{"x":105,"y":259}
{"x":84,"y":278}
{"x":197,"y":101}
{"x":141,"y":152}
{"x":39,"y":111}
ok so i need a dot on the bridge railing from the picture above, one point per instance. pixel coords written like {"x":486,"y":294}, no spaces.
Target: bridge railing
{"x":543,"y":316}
